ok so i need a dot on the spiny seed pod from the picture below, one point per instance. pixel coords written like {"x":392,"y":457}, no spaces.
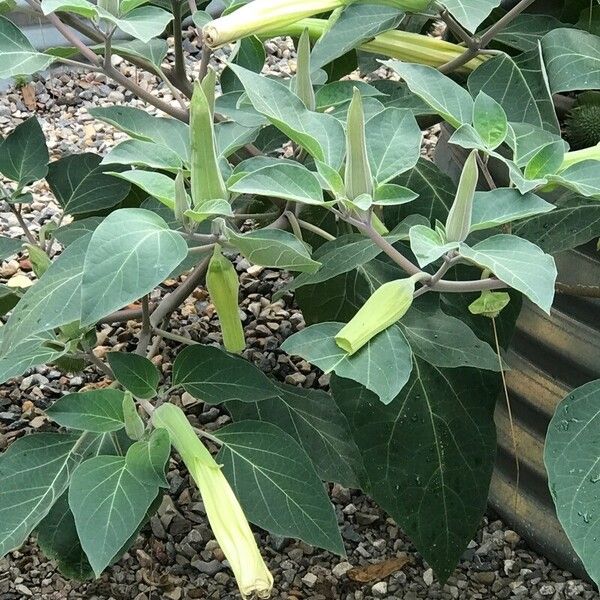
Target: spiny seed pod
{"x":582,"y":126}
{"x":206,"y":179}
{"x":302,"y":84}
{"x":386,"y":305}
{"x":458,"y":222}
{"x":358,"y":178}
{"x":223,"y":286}
{"x":489,"y":304}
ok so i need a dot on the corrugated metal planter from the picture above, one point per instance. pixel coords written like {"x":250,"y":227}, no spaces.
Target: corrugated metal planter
{"x":550,"y":355}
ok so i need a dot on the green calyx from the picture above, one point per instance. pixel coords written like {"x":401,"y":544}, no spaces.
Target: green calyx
{"x":459,"y":218}
{"x":582,"y":126}
{"x":490,"y":304}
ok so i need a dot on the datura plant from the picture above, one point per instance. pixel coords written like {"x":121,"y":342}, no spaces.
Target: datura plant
{"x":403,"y":272}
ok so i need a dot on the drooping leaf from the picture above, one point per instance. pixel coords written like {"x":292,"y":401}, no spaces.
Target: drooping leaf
{"x":277,"y":484}
{"x":9,"y":246}
{"x":209,"y":374}
{"x":136,"y":373}
{"x":154,"y":50}
{"x":313,"y":419}
{"x":130,"y":253}
{"x":99,"y":411}
{"x":81,"y":185}
{"x":147,"y":458}
{"x":428,"y":245}
{"x":158,"y":185}
{"x":383,"y":365}
{"x":143,"y":23}
{"x":582,"y":177}
{"x":471,"y":13}
{"x":23,"y":153}
{"x":525,"y":32}
{"x":143,"y":154}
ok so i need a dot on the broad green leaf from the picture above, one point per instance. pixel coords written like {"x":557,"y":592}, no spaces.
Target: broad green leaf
{"x":143,"y":154}
{"x":525,"y":32}
{"x":250,"y":54}
{"x":489,"y":120}
{"x":274,"y":248}
{"x":9,"y":246}
{"x":571,"y":224}
{"x":8,"y":298}
{"x":583,"y":178}
{"x":337,"y":93}
{"x":527,"y":140}
{"x":282,"y":180}
{"x":522,"y":92}
{"x":67,"y":234}
{"x":109,"y":499}
{"x":237,"y":108}
{"x":213,"y":376}
{"x":158,"y":185}
{"x":53,"y":301}
{"x":572,"y":59}
{"x":471,"y":13}
{"x":210,"y":208}
{"x":519,"y":263}
{"x":79,"y":7}
{"x":81,"y":185}
{"x":232,"y":136}
{"x":136,"y":373}
{"x":98,"y":411}
{"x":313,"y":419}
{"x":371,"y":108}
{"x":19,"y":57}
{"x":383,"y":365}
{"x":504,"y":205}
{"x":134,"y":425}
{"x":572,"y":459}
{"x":129,"y":254}
{"x":356,"y":24}
{"x":23,"y":153}
{"x":546,"y":161}
{"x":140,"y":124}
{"x":428,"y":245}
{"x":330,"y":179}
{"x":277,"y":485}
{"x":35,"y":471}
{"x":147,"y":458}
{"x":321,"y":135}
{"x":429,"y":455}
{"x":449,"y":100}
{"x":468,"y":137}
{"x":393,"y":143}
{"x":154,"y":51}
{"x":390,"y":194}
{"x":142,"y":23}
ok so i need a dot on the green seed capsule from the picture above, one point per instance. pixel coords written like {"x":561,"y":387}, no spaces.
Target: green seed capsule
{"x":386,"y":305}
{"x":223,"y":286}
{"x":459,"y":218}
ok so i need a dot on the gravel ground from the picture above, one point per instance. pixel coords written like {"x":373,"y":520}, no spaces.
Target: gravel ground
{"x":175,"y":556}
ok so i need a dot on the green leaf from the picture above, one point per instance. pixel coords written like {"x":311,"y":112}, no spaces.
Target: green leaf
{"x":143,"y":154}
{"x":134,"y":426}
{"x":572,"y":459}
{"x":140,"y":124}
{"x":356,"y":24}
{"x":19,"y":57}
{"x":154,"y":51}
{"x":214,"y":376}
{"x":527,"y":140}
{"x":383,"y":365}
{"x":390,"y":194}
{"x":572,"y":59}
{"x":313,"y":419}
{"x":504,"y":205}
{"x":449,"y":100}
{"x":571,"y":224}
{"x":35,"y":471}
{"x":429,"y":455}
{"x":519,"y":263}
{"x":209,"y":208}
{"x":67,"y":234}
{"x":9,"y":246}
{"x":98,"y":411}
{"x":428,"y":245}
{"x":274,"y":248}
{"x":282,"y":180}
{"x":520,"y":89}
{"x":81,"y":185}
{"x":582,"y":177}
{"x":277,"y":485}
{"x":232,"y":136}
{"x":142,"y":23}
{"x":471,"y":13}
{"x":147,"y":458}
{"x":489,"y":120}
{"x":136,"y":373}
{"x":109,"y":499}
{"x":23,"y":154}
{"x":546,"y":161}
{"x":525,"y":32}
{"x":250,"y":54}
{"x":330,"y":179}
{"x":321,"y":135}
{"x":53,"y":301}
{"x":129,"y":254}
{"x":159,"y":186}
{"x":393,"y":143}
{"x":337,"y":93}
{"x":79,"y":7}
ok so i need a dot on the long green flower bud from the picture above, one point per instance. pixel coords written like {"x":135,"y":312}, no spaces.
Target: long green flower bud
{"x":358,"y":178}
{"x":302,"y":84}
{"x":459,"y":218}
{"x":225,"y":515}
{"x":386,"y":305}
{"x":223,"y":286}
{"x":206,"y":179}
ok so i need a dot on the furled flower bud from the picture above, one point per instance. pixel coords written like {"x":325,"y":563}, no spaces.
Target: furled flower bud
{"x":302,"y":84}
{"x":358,"y":178}
{"x":225,"y":515}
{"x":386,"y":305}
{"x":489,"y":304}
{"x":223,"y":286}
{"x":458,"y":222}
{"x":182,"y":203}
{"x":206,"y":179}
